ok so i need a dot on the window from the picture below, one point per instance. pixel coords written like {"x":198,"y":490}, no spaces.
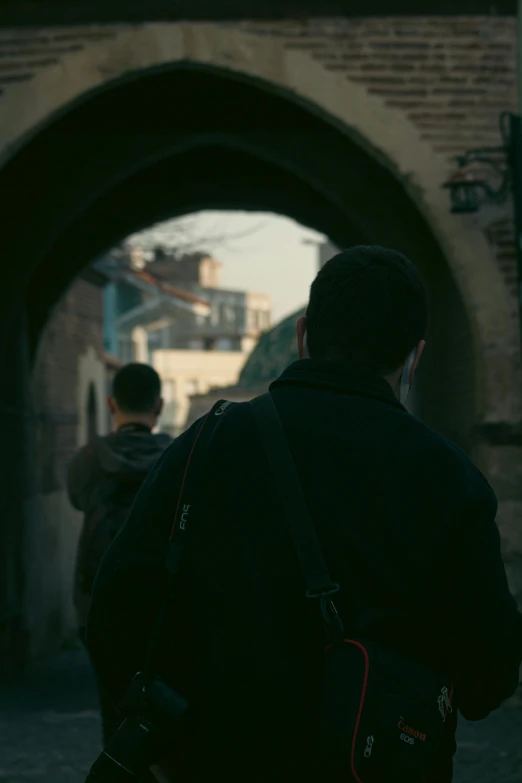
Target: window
{"x":240,"y":317}
{"x":215,"y":314}
{"x":227,"y":314}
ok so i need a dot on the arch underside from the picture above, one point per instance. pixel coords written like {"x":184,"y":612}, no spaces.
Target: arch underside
{"x":185,"y":138}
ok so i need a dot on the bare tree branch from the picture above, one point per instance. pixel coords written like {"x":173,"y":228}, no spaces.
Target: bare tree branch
{"x":180,"y":237}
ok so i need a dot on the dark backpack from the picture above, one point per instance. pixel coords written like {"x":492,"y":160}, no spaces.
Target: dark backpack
{"x":383,"y":714}
{"x":109,"y":508}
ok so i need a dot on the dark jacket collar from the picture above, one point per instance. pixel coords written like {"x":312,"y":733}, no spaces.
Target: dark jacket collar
{"x":339,"y":377}
{"x":135,"y":427}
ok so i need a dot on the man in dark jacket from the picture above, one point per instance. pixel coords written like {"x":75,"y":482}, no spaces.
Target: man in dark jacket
{"x":105,"y":475}
{"x":405,"y":521}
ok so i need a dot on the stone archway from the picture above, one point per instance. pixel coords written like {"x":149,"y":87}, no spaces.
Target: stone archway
{"x":386,"y":133}
{"x":94,"y":146}
{"x":134,"y":161}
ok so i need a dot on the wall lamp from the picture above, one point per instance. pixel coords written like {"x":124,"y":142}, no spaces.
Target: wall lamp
{"x":484,"y":175}
{"x":471,"y":185}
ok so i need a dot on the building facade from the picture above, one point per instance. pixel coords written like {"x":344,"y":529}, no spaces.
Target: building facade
{"x":171,"y":312}
{"x":185,"y":373}
{"x":236,"y":318}
{"x":136,"y":299}
{"x":275,"y":350}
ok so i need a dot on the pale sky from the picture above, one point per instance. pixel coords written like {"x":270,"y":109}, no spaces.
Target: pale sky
{"x":261,"y":252}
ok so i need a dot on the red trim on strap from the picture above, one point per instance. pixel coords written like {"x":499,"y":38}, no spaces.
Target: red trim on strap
{"x":185,"y":474}
{"x":361,"y":703}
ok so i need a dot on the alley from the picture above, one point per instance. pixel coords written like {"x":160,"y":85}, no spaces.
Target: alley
{"x":50,"y":729}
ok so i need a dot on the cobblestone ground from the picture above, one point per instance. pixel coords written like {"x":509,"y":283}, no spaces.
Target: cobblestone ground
{"x":50,"y":730}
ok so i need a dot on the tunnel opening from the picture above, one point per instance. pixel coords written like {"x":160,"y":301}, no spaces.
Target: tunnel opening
{"x":184,"y":138}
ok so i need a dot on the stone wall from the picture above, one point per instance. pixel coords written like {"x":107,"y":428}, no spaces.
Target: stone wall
{"x":76,"y":325}
{"x":450,"y":77}
{"x":72,"y":335}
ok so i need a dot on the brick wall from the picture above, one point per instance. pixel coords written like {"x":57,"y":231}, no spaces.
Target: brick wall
{"x":24,"y":53}
{"x":450,"y":76}
{"x":76,"y":324}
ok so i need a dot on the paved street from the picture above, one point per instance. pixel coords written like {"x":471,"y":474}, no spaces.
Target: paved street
{"x":50,"y":730}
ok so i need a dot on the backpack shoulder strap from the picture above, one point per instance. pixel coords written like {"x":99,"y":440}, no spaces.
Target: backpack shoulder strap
{"x":187,"y":497}
{"x":188,"y":494}
{"x":290,"y":493}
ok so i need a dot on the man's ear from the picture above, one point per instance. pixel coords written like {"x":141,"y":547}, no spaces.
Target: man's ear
{"x":418,"y":354}
{"x":112,"y":405}
{"x":159,"y":407}
{"x":301,"y":338}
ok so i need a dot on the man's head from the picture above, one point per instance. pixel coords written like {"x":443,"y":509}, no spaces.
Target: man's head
{"x":367,"y":307}
{"x":136,"y":396}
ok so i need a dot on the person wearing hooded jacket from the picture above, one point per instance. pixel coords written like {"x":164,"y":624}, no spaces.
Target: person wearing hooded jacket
{"x":103,"y":479}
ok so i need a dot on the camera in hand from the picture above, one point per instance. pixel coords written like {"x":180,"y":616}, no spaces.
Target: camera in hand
{"x":153,"y":712}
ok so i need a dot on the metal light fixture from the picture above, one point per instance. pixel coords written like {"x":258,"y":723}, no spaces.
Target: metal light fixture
{"x":473,"y":182}
{"x":471,"y":185}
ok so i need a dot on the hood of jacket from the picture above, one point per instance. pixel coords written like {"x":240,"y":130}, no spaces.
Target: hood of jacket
{"x":128,"y":452}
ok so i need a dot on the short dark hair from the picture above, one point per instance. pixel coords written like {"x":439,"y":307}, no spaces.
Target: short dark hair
{"x":367,"y":306}
{"x":136,"y":388}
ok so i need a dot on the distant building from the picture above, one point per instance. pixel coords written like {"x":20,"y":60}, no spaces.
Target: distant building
{"x":172,"y":313}
{"x":236,"y":319}
{"x":275,"y":350}
{"x":188,"y":373}
{"x":134,"y":298}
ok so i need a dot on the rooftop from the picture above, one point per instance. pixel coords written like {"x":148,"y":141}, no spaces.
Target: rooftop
{"x":166,"y":288}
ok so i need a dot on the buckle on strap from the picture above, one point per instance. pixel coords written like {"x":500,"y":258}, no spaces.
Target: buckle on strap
{"x":323,"y":592}
{"x":333,"y":624}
